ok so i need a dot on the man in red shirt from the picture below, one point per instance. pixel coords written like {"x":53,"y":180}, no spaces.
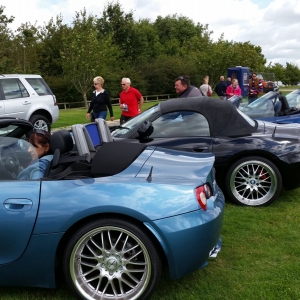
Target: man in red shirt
{"x":131,"y":101}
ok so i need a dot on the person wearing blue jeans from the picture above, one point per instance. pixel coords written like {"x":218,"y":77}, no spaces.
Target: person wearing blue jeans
{"x":100,"y":102}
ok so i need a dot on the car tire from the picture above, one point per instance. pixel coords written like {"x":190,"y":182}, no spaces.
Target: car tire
{"x":40,"y":122}
{"x":111,"y":259}
{"x":253,"y":181}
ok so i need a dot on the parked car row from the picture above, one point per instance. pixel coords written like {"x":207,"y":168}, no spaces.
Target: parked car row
{"x":112,"y":207}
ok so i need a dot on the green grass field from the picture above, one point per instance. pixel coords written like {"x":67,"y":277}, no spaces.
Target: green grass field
{"x":260,"y":259}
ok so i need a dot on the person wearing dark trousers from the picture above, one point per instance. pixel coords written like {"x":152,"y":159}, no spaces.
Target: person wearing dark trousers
{"x":100,"y":102}
{"x":220,"y":88}
{"x":131,"y":101}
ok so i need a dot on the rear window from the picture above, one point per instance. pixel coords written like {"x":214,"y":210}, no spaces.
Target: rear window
{"x":39,"y":86}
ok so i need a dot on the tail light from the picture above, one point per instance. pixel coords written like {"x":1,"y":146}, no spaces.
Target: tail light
{"x":203,"y":192}
{"x":54,"y":100}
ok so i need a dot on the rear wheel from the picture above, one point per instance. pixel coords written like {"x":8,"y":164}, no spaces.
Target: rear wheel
{"x":40,"y":122}
{"x":111,"y":259}
{"x":253,"y":181}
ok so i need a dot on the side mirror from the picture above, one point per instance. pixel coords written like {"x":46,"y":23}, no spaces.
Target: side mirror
{"x":145,"y":129}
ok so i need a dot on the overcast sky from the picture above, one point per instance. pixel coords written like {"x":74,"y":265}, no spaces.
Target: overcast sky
{"x":271,"y":24}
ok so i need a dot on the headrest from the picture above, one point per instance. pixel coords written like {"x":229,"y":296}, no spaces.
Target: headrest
{"x":61,"y":140}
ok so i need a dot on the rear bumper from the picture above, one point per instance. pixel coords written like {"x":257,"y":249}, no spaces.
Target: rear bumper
{"x":55,"y":114}
{"x":190,"y":238}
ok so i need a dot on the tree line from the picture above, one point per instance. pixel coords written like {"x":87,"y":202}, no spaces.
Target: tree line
{"x":115,"y":45}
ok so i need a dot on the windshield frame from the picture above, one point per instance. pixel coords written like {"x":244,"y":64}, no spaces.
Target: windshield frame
{"x":135,"y":122}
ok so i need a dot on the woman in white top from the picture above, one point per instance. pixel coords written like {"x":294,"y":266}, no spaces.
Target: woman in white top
{"x":205,"y":88}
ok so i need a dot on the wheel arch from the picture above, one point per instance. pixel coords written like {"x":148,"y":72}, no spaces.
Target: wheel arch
{"x":42,"y":112}
{"x":76,"y":226}
{"x":243,"y":154}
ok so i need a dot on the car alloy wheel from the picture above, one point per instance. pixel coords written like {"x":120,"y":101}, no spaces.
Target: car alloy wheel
{"x":112,"y":259}
{"x":253,"y":181}
{"x":40,"y":122}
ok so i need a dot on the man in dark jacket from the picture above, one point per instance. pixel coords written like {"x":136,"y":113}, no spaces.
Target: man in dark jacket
{"x":220,"y":88}
{"x":184,"y":89}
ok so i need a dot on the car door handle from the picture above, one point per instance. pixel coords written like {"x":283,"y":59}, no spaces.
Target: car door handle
{"x":26,"y":102}
{"x":17,"y":204}
{"x":200,"y":148}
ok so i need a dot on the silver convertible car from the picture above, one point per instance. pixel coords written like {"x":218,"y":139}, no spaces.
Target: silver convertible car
{"x":106,"y":215}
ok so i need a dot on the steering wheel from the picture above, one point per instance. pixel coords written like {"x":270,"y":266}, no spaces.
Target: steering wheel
{"x":9,"y":161}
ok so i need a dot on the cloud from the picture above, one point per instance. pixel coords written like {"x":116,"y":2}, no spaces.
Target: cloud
{"x":271,"y":24}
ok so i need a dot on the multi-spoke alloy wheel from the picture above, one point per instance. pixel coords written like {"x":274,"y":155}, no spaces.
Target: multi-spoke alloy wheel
{"x":112,"y":260}
{"x":40,"y":122}
{"x":253,"y":181}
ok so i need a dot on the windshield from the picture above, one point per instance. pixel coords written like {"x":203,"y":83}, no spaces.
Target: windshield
{"x":262,"y":100}
{"x":293,"y":98}
{"x":134,"y":122}
{"x":16,"y":157}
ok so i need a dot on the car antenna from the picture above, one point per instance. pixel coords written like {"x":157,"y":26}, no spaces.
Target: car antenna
{"x":274,"y":131}
{"x":149,"y":178}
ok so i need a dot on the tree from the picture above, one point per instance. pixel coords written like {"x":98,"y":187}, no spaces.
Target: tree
{"x":292,"y":74}
{"x":5,"y":40}
{"x":81,"y":52}
{"x":25,"y":49}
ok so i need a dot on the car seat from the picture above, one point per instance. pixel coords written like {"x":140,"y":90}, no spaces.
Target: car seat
{"x":277,"y":108}
{"x":285,"y":105}
{"x":61,"y":145}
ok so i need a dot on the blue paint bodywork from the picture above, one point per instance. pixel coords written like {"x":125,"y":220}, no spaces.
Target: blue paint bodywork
{"x":36,"y":217}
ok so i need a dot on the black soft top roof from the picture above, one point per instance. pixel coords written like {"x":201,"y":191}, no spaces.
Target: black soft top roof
{"x":222,"y":116}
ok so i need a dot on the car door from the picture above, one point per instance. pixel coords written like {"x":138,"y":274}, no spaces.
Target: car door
{"x":15,"y":100}
{"x":182,"y":130}
{"x":19,"y":202}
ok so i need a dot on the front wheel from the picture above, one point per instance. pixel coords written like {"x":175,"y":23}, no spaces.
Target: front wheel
{"x":111,"y":259}
{"x":253,"y":181}
{"x":40,"y":122}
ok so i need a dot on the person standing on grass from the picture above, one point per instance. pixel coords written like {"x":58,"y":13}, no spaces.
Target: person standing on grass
{"x":205,"y":88}
{"x":255,"y":88}
{"x":228,"y":81}
{"x":100,"y":102}
{"x":131,"y":101}
{"x":220,"y":88}
{"x":184,"y":89}
{"x":233,"y":89}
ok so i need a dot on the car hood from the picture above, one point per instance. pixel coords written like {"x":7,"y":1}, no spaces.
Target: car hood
{"x":280,"y":130}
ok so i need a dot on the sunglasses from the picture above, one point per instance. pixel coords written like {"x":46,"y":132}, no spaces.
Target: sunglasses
{"x":181,"y":78}
{"x":44,"y":133}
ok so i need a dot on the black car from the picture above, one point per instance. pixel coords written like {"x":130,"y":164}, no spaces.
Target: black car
{"x":254,"y":159}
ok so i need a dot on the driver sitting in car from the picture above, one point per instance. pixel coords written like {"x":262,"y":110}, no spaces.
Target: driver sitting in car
{"x":40,"y":155}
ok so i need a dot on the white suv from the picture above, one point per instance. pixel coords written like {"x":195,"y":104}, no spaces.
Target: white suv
{"x":28,"y":97}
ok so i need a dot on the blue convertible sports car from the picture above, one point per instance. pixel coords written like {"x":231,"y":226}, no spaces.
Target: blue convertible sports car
{"x":105,"y":214}
{"x":273,"y":107}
